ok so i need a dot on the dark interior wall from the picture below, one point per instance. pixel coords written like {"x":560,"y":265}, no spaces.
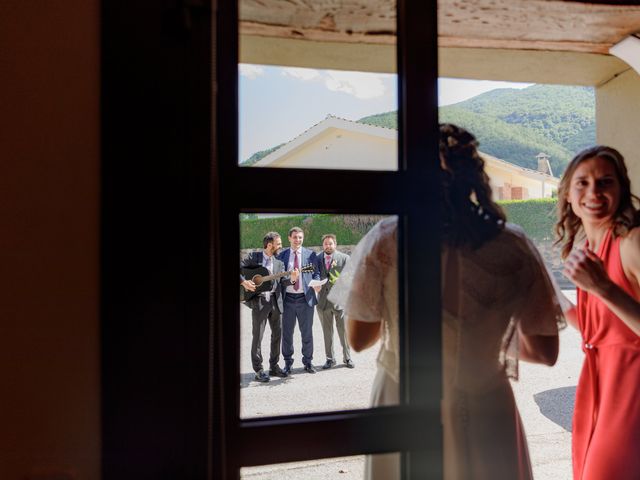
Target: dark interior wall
{"x":155,"y":244}
{"x":49,"y":191}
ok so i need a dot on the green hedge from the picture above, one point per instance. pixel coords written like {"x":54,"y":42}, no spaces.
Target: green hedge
{"x":536,"y":217}
{"x":349,"y":229}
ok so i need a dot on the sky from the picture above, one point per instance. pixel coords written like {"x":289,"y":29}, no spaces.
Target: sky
{"x":279,"y":103}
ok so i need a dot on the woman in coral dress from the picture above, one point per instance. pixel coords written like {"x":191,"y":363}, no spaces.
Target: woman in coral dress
{"x":601,"y":247}
{"x":498,"y":300}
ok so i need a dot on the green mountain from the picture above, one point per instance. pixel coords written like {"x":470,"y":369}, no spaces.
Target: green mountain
{"x":512,"y":142}
{"x":387,"y":120}
{"x":515,"y":125}
{"x":256,"y":157}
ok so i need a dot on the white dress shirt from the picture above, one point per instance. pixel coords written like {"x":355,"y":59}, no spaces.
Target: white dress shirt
{"x":290,"y":267}
{"x":267,"y":262}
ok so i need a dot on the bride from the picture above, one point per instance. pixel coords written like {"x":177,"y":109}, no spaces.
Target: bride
{"x":499,"y":305}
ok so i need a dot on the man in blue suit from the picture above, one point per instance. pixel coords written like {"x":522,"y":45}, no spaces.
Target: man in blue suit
{"x":299,"y":300}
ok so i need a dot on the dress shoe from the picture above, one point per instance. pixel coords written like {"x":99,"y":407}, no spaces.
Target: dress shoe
{"x":328,"y":364}
{"x":287,"y":370}
{"x":277,"y":372}
{"x":349,"y":363}
{"x":309,"y":369}
{"x":262,"y":377}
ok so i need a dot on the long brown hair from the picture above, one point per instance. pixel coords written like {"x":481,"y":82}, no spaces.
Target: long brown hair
{"x":470,"y":216}
{"x":624,"y":219}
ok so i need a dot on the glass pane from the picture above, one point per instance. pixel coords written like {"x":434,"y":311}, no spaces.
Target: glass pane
{"x":317,"y":86}
{"x":343,"y":468}
{"x":285,"y":324}
{"x":527,"y":134}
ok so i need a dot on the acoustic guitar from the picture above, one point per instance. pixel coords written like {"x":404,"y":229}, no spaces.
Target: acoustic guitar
{"x":263,"y":280}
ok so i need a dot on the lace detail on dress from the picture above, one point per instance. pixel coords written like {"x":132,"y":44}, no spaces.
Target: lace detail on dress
{"x":360,"y":282}
{"x":504,"y":287}
{"x":540,"y":308}
{"x":501,"y":287}
{"x":368,"y":288}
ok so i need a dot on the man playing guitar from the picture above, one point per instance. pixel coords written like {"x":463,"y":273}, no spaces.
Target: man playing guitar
{"x":266,"y":305}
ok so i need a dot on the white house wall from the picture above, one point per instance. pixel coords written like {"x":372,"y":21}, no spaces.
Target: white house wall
{"x":535,"y":188}
{"x":618,"y":120}
{"x":343,"y":150}
{"x":338,"y":148}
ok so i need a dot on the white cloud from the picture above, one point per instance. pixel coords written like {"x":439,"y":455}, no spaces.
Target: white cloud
{"x":454,"y":90}
{"x":361,"y":85}
{"x":300,"y":73}
{"x":250,"y":71}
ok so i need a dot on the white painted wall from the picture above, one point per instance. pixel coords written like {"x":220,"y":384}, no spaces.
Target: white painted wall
{"x":337,"y":148}
{"x":344,"y":150}
{"x":618,"y":120}
{"x":500,"y":176}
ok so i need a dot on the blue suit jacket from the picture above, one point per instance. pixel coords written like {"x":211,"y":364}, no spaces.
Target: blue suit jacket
{"x":308,"y":257}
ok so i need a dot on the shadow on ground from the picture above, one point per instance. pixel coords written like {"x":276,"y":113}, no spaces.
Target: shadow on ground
{"x":247,"y":379}
{"x":557,"y":405}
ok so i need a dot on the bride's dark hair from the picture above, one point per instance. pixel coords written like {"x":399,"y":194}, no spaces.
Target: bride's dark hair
{"x":470,"y":216}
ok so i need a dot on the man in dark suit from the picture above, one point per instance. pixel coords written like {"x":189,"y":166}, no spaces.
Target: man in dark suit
{"x":266,"y":306}
{"x":299,"y":299}
{"x":330,"y":263}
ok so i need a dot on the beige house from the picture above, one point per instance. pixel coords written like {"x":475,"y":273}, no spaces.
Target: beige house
{"x":344,"y":144}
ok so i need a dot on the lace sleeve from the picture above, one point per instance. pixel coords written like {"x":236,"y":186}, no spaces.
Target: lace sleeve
{"x":540,"y":309}
{"x":360,"y":286}
{"x":540,"y":312}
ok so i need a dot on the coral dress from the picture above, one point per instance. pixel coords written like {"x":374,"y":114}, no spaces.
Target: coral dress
{"x":606,"y":420}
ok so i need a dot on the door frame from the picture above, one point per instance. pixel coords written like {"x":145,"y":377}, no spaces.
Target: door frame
{"x":170,"y":390}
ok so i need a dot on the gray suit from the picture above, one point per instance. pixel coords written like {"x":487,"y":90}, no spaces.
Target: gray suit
{"x":327,"y":311}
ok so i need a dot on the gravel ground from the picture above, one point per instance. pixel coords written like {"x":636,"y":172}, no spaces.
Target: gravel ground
{"x":544,"y":396}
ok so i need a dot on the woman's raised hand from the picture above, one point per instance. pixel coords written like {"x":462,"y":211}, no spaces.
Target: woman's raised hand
{"x":584,"y":268}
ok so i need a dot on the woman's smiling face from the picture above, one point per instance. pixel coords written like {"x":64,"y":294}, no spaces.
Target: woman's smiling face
{"x":594,"y":192}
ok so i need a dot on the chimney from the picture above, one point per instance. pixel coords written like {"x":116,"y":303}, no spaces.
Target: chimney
{"x":543,"y":163}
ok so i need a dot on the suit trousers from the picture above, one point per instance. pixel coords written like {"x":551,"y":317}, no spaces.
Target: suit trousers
{"x":265,"y":311}
{"x":296,"y":306}
{"x":327,"y":315}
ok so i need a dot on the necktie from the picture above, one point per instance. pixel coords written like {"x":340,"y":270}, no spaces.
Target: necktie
{"x":269,"y":267}
{"x":296,"y":264}
{"x":328,"y":264}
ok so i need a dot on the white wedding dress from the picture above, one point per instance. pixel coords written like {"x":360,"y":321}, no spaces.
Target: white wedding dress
{"x":488,"y":295}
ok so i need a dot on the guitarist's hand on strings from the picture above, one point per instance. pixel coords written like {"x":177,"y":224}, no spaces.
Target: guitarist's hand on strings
{"x":294,"y":275}
{"x":249,"y":285}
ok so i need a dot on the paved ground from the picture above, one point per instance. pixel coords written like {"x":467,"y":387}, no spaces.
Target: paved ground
{"x":544,"y":396}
